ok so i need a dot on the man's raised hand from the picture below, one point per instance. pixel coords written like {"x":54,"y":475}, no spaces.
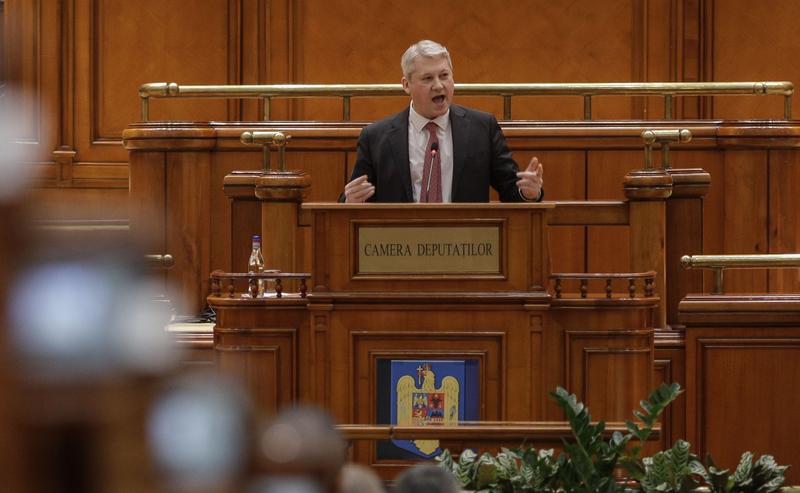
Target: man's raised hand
{"x":358,"y":190}
{"x":530,"y":181}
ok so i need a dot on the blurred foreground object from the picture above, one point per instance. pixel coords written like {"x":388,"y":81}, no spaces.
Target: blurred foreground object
{"x":88,"y":318}
{"x":356,"y":478}
{"x":299,"y":450}
{"x":426,"y":477}
{"x":198,"y":430}
{"x":13,"y":181}
{"x":88,"y":344}
{"x":100,"y":405}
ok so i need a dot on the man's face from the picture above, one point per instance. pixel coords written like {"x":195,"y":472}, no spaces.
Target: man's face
{"x":431,"y":86}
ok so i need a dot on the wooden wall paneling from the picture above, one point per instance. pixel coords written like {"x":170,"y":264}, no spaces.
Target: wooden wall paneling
{"x":684,"y":227}
{"x":65,"y":154}
{"x":659,"y":39}
{"x":711,"y":220}
{"x":784,"y":222}
{"x":648,"y":247}
{"x":304,"y":239}
{"x":99,"y":175}
{"x":33,"y":58}
{"x":263,"y":28}
{"x":600,"y":364}
{"x":713,"y":210}
{"x":350,"y":165}
{"x":247,"y":29}
{"x":187,"y":238}
{"x":280,"y":232}
{"x":246,"y":214}
{"x":669,"y":366}
{"x":3,"y":54}
{"x":280,"y":17}
{"x":319,"y":352}
{"x":261,"y":346}
{"x":101,"y":218}
{"x":674,"y":52}
{"x":222,"y":216}
{"x":684,"y":233}
{"x":266,"y":361}
{"x":639,"y":52}
{"x":572,"y":43}
{"x":669,"y":53}
{"x":148,"y":214}
{"x":744,"y":220}
{"x":537,"y":370}
{"x":568,"y":249}
{"x":234,"y":56}
{"x":47,"y":174}
{"x":571,"y":329}
{"x":75,"y":204}
{"x":564,"y":179}
{"x":552,"y":361}
{"x":608,"y":248}
{"x":327,"y":170}
{"x":742,"y":362}
{"x":15,"y":445}
{"x":707,"y":41}
{"x":690,"y":55}
{"x":116,"y":56}
{"x":762,"y":51}
{"x":148,"y":222}
{"x":729,"y":398}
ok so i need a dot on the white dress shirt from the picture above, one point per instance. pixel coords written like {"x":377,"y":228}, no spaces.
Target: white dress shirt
{"x":417,"y":145}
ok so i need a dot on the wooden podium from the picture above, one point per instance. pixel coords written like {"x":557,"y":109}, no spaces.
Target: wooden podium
{"x":441,"y":282}
{"x":386,"y":286}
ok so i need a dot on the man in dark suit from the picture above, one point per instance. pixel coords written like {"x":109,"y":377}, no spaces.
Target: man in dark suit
{"x":435,"y":151}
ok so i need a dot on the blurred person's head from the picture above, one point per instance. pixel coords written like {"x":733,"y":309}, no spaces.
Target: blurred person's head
{"x":426,"y":478}
{"x":86,"y":313}
{"x":356,"y":478}
{"x":302,"y":441}
{"x":198,"y":429}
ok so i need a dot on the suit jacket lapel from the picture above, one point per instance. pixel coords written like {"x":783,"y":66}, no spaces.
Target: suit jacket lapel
{"x":460,"y":130}
{"x":398,"y":140}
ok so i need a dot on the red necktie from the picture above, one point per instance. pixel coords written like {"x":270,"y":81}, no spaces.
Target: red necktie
{"x":431,"y":190}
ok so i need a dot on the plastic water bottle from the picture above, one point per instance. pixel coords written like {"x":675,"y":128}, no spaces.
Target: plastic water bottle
{"x":256,"y":263}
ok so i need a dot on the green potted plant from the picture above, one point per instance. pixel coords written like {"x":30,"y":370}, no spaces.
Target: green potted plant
{"x":589,"y":461}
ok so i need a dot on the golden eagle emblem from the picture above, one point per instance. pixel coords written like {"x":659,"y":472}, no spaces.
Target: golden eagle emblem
{"x":426,"y":405}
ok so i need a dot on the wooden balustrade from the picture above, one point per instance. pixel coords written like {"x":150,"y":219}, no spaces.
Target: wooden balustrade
{"x":647,"y":281}
{"x":251,"y":291}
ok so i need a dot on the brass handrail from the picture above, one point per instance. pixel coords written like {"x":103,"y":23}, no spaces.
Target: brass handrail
{"x":664,"y":137}
{"x":718,"y":263}
{"x":267,"y":139}
{"x":506,"y":91}
{"x":477,"y":431}
{"x":160,"y":261}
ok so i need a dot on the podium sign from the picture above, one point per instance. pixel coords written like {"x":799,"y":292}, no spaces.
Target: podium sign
{"x":387,"y":249}
{"x":429,"y":249}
